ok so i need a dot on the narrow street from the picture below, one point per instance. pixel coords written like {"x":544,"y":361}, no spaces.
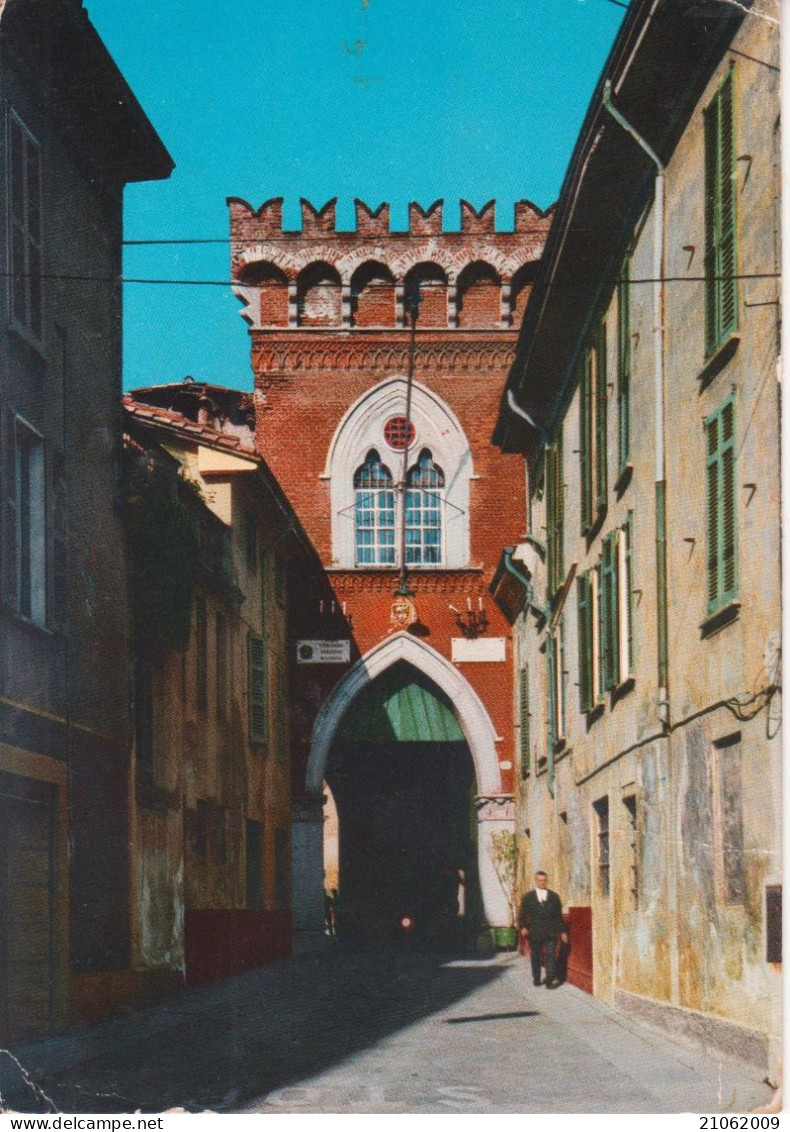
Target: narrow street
{"x":355,"y":1032}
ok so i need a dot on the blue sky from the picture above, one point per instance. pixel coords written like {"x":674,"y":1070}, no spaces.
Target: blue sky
{"x":392,"y":100}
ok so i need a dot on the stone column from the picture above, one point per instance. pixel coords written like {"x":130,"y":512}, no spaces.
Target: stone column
{"x":452,"y":306}
{"x":293,"y":306}
{"x":345,"y":305}
{"x":494,"y":812}
{"x":307,"y":840}
{"x":507,"y":306}
{"x":399,"y":310}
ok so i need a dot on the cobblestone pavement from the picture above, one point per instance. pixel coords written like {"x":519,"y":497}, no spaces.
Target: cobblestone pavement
{"x":354,"y":1032}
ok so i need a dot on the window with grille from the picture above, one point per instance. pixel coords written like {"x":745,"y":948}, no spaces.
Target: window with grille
{"x":633,"y":847}
{"x":601,"y":808}
{"x":399,"y":433}
{"x":25,"y":228}
{"x":424,"y":512}
{"x":374,"y":514}
{"x":721,"y":251}
{"x":592,"y":430}
{"x":722,"y":573}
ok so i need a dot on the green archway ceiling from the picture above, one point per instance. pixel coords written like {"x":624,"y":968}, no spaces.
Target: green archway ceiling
{"x":401,"y":706}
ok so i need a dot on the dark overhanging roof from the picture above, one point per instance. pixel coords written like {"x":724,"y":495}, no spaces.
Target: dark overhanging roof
{"x":86,"y":93}
{"x":608,"y":183}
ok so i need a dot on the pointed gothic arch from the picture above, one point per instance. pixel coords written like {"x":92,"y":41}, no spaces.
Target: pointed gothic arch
{"x":473,"y":718}
{"x":436,"y":427}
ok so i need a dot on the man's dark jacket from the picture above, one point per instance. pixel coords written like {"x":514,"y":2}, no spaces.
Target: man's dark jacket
{"x":542,"y":920}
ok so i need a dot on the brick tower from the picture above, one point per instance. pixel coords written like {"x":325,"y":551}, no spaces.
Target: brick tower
{"x":379,"y":360}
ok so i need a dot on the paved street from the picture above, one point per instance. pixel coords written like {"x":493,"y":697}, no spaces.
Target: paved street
{"x":346,"y":1032}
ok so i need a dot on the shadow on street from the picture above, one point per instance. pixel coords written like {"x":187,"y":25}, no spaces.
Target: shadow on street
{"x":221,"y":1046}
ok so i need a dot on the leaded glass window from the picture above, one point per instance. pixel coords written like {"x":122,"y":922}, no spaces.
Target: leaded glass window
{"x":424,"y":485}
{"x":374,"y":513}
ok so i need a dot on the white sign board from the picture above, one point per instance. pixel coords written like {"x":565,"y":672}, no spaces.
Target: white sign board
{"x":323,"y":652}
{"x":481,"y":650}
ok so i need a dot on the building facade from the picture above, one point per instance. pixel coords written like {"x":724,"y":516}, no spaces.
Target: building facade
{"x":71,"y":136}
{"x":645,"y":393}
{"x":212,"y":541}
{"x":378,"y":359}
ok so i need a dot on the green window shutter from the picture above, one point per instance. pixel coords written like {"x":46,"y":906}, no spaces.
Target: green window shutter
{"x":562,"y":728}
{"x":600,"y":419}
{"x":628,"y":581}
{"x":523,"y":707}
{"x":727,"y":171}
{"x":584,"y":595}
{"x":256,"y":689}
{"x":722,"y":579}
{"x":721,"y":259}
{"x":585,"y":441}
{"x":624,"y":365}
{"x":551,"y":732}
{"x":560,"y":514}
{"x":554,"y":515}
{"x":609,"y":618}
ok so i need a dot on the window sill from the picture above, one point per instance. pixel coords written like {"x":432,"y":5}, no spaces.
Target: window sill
{"x":623,"y":479}
{"x":720,"y":620}
{"x":717,"y":361}
{"x":29,"y":623}
{"x":595,"y":713}
{"x":622,"y":690}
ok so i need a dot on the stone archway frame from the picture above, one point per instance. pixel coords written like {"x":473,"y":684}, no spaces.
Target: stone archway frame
{"x":472,"y":716}
{"x":437,"y":428}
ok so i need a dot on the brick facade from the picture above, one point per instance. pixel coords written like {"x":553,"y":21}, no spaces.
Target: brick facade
{"x":329,"y":322}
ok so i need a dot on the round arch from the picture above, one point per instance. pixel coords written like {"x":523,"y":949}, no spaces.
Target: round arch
{"x":473,"y":718}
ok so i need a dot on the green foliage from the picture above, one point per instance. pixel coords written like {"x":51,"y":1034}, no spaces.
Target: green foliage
{"x":160,"y":509}
{"x":504,"y":855}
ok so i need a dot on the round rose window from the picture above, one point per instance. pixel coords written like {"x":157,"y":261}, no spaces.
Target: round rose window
{"x":399,"y":433}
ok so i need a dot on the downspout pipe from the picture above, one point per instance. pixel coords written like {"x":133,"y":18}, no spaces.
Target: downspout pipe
{"x":658,"y":387}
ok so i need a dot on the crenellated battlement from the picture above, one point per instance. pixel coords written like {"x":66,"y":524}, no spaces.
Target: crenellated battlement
{"x":474,"y":279}
{"x":266,"y":222}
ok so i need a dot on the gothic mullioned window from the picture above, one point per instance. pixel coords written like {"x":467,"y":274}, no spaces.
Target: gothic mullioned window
{"x":424,"y":485}
{"x":397,"y":476}
{"x":374,"y":513}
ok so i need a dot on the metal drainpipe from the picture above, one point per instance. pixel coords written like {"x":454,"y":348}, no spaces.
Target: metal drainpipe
{"x":658,"y":377}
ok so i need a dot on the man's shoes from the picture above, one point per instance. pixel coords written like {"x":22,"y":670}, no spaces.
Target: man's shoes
{"x":537,"y":982}
{"x":552,"y":984}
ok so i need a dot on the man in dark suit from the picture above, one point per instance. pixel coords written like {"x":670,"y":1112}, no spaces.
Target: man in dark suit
{"x":541,"y":922}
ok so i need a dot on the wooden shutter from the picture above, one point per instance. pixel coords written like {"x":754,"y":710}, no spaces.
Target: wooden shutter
{"x":585,"y":440}
{"x":554,"y":515}
{"x":626,"y":589}
{"x":727,"y":266}
{"x":256,"y":688}
{"x":552,"y":691}
{"x":624,"y":365}
{"x":609,"y":620}
{"x":600,"y":394}
{"x":8,"y":509}
{"x":586,"y":691}
{"x":523,"y":708}
{"x":721,"y":259}
{"x":722,"y":561}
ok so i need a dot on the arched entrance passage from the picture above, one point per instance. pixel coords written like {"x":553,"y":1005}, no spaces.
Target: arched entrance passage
{"x":402,"y":775}
{"x":494,"y":809}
